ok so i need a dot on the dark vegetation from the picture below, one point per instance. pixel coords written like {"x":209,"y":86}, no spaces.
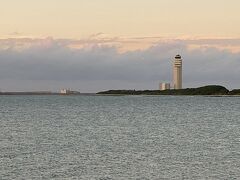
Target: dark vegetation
{"x":235,"y":92}
{"x":205,"y":90}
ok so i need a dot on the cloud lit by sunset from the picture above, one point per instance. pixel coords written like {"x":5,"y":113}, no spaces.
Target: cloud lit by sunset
{"x":109,"y":43}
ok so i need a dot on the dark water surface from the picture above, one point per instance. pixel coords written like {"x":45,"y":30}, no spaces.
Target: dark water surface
{"x":125,"y":137}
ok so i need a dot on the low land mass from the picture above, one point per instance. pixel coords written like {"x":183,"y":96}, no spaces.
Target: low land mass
{"x":214,"y":90}
{"x":31,"y":93}
{"x":28,"y":93}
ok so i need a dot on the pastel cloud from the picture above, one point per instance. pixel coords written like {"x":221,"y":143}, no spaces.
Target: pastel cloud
{"x":122,"y":44}
{"x":99,"y":62}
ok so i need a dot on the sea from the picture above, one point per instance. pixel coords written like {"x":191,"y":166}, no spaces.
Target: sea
{"x":119,"y":137}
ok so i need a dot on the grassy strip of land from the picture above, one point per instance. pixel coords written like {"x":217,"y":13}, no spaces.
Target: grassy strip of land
{"x":205,"y":90}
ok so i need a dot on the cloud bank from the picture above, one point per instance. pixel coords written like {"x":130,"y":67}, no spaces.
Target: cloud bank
{"x":95,"y":64}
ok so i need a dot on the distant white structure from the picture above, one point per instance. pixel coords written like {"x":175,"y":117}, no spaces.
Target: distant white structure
{"x":164,"y":86}
{"x":68,"y":92}
{"x":177,"y":72}
{"x":65,"y":91}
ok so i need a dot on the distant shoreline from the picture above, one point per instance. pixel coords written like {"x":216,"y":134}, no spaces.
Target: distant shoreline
{"x":96,"y":94}
{"x":210,"y":90}
{"x":166,"y":95}
{"x":41,"y":94}
{"x":28,"y":93}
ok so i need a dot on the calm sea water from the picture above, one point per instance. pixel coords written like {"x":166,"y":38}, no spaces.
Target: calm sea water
{"x":125,"y":137}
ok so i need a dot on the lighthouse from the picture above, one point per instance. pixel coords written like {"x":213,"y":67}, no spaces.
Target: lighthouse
{"x":177,"y":72}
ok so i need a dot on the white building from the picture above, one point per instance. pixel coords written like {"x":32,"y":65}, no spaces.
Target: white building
{"x":164,"y":86}
{"x":177,"y":72}
{"x":65,"y":91}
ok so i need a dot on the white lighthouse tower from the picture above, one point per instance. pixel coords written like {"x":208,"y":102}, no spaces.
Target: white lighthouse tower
{"x":177,"y":72}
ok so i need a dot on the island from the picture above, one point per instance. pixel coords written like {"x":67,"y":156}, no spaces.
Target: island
{"x":213,"y":90}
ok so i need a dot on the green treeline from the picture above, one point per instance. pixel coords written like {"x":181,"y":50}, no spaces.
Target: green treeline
{"x":205,"y":90}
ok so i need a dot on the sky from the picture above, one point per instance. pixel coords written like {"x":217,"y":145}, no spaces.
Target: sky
{"x":111,"y":44}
